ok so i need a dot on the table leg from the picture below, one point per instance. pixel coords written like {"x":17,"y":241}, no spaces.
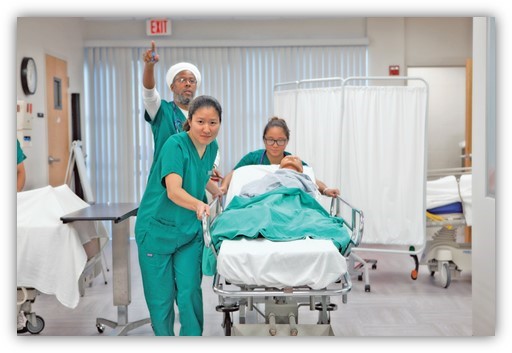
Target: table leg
{"x":121,"y":278}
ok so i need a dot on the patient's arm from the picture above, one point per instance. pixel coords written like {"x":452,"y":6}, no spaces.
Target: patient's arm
{"x":178,"y":195}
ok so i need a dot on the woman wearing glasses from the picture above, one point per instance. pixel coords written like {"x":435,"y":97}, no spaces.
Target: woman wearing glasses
{"x":276,"y":135}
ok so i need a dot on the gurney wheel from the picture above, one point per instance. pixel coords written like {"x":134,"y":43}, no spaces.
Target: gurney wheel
{"x":414,"y":275}
{"x":367,"y":288}
{"x":100,"y":328}
{"x":446,"y":275}
{"x":39,"y":326}
{"x":227,"y":324}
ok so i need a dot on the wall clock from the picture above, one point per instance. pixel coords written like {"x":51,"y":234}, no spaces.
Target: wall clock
{"x":28,"y":76}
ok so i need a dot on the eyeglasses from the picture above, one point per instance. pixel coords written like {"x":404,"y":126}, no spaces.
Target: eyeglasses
{"x":270,"y":142}
{"x":192,"y":81}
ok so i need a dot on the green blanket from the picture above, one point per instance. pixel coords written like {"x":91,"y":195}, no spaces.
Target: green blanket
{"x":282,"y":214}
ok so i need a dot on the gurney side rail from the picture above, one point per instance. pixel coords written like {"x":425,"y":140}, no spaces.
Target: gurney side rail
{"x":356,"y":225}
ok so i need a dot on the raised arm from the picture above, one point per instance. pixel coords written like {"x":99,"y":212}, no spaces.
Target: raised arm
{"x":150,"y":59}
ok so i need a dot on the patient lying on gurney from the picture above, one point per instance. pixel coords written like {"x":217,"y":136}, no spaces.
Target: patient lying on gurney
{"x":290,"y":174}
{"x":279,"y":207}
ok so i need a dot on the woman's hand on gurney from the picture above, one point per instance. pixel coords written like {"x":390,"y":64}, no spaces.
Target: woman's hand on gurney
{"x":331,"y":192}
{"x":202,"y":209}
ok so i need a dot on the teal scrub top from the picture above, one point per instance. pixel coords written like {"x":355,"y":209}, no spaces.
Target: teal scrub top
{"x":159,"y":219}
{"x":20,"y":155}
{"x":258,"y":157}
{"x":168,"y":121}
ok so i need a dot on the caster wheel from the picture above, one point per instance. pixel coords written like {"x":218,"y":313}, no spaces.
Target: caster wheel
{"x":367,"y":288}
{"x":360,"y":277}
{"x":414,"y":275}
{"x":38,"y":327}
{"x":446,"y":275}
{"x":227,"y":324}
{"x":100,"y":328}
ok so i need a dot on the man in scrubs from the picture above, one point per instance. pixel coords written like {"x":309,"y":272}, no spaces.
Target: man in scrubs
{"x":168,"y":227}
{"x":167,"y":118}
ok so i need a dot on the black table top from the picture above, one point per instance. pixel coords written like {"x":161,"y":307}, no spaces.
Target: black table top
{"x":116,"y":212}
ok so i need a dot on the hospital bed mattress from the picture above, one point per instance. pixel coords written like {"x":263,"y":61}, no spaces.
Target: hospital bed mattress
{"x":315,"y":263}
{"x":51,"y":255}
{"x":446,"y":195}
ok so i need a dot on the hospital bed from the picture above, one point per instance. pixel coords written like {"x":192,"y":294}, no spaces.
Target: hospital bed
{"x":272,"y":279}
{"x":52,"y":257}
{"x":449,"y":211}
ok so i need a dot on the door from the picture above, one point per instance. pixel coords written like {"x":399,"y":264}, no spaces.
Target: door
{"x":484,"y":182}
{"x":58,"y":119}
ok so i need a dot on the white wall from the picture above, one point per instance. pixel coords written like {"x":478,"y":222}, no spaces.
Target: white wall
{"x":446,"y":124}
{"x":392,"y":41}
{"x":36,"y":37}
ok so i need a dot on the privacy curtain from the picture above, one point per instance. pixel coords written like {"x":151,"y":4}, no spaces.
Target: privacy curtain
{"x":369,"y":141}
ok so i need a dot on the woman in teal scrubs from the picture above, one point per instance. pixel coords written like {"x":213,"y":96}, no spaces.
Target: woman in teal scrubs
{"x":168,"y":226}
{"x":20,"y":157}
{"x":276,"y":135}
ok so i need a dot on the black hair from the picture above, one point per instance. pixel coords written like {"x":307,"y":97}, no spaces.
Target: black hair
{"x":202,"y":102}
{"x":277,"y":122}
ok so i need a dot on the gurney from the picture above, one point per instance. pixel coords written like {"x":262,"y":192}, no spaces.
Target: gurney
{"x":449,"y":209}
{"x":296,"y":259}
{"x":52,"y":257}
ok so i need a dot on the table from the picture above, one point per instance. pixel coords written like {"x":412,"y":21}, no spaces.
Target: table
{"x":118,"y":214}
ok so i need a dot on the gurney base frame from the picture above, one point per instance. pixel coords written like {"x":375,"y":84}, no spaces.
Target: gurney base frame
{"x":282,"y":330}
{"x":281,"y":308}
{"x":445,"y":255}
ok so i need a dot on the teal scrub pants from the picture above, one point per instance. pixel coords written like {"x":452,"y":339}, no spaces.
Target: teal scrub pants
{"x":176,"y":276}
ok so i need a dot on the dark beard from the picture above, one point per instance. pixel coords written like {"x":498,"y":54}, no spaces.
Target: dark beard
{"x":183,"y":100}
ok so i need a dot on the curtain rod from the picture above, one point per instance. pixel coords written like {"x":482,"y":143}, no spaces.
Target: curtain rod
{"x":181,"y":43}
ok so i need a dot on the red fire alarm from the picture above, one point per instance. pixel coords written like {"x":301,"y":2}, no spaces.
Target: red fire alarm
{"x":394,"y":70}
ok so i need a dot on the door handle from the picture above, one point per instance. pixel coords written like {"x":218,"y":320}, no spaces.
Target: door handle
{"x":52,"y":160}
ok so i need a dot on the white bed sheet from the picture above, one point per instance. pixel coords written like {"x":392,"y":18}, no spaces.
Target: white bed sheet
{"x":465,"y":185}
{"x":312,"y":262}
{"x":50,"y":254}
{"x":442,"y":192}
{"x":308,"y":262}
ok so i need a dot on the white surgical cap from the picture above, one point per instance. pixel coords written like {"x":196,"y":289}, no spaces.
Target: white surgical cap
{"x":177,"y":68}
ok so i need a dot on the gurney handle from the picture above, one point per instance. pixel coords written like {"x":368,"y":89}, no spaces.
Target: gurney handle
{"x":216,"y":207}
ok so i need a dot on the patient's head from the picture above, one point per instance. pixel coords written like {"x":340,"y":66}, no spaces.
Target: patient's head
{"x":291,"y":162}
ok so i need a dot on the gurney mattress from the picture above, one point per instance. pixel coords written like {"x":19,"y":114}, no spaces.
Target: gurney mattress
{"x":315,"y":263}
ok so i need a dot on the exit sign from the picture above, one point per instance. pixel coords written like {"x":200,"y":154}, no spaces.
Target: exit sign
{"x":158,"y":27}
